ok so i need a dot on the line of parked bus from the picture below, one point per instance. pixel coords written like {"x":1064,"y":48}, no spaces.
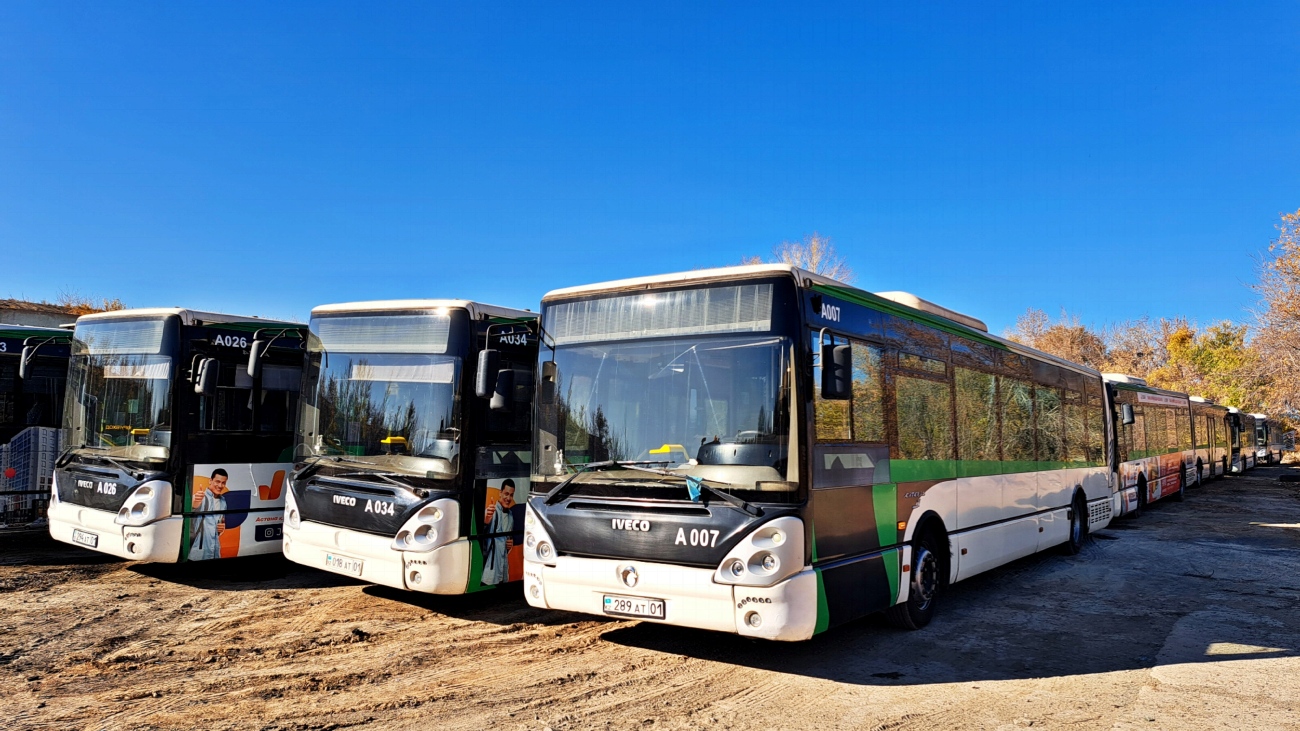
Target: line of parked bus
{"x":757,"y":450}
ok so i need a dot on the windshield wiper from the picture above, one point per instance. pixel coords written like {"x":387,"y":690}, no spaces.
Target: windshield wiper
{"x":314,"y":463}
{"x":702,"y":485}
{"x":71,"y":454}
{"x":566,"y":486}
{"x":389,"y":477}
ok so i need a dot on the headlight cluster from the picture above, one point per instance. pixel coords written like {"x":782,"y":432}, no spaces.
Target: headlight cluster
{"x":771,"y":553}
{"x":146,"y":503}
{"x":434,"y":525}
{"x":538,"y":546}
{"x":291,"y":514}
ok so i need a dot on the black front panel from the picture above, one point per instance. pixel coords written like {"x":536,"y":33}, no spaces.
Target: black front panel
{"x":674,"y":532}
{"x":99,"y":487}
{"x":857,"y":588}
{"x":360,"y":505}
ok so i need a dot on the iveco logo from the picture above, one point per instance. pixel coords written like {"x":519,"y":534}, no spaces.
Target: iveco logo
{"x":345,"y":500}
{"x":629,"y":524}
{"x":629,"y":576}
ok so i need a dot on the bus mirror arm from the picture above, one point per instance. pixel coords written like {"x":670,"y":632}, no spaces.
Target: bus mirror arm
{"x":489,"y":366}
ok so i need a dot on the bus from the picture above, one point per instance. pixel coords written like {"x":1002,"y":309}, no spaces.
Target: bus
{"x":1157,"y":458}
{"x":1269,"y":439}
{"x":764,"y":451}
{"x":1242,"y":426}
{"x":177,"y":434}
{"x":1210,"y":426}
{"x":33,"y":368}
{"x":414,"y":444}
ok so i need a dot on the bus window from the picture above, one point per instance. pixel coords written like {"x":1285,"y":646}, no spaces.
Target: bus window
{"x":1096,"y":431}
{"x":1017,"y":406}
{"x":977,"y":427}
{"x":1076,"y":433}
{"x":1139,"y":431}
{"x":280,"y":388}
{"x":924,"y":419}
{"x":1049,"y":424}
{"x":231,"y":407}
{"x":832,"y":415}
{"x":1183,"y":420}
{"x":868,"y":403}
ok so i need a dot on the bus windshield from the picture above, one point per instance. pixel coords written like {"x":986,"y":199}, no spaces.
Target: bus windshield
{"x":119,"y":391}
{"x":388,"y":400}
{"x":707,"y":407}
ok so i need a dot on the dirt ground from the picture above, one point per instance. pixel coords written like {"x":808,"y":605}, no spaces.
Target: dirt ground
{"x":1184,"y":618}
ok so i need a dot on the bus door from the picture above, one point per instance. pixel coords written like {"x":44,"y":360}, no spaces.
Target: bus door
{"x":238,"y":448}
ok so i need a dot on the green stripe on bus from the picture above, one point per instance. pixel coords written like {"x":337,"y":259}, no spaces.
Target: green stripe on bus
{"x":884,"y":498}
{"x":823,"y":610}
{"x":476,"y":568}
{"x":893,"y":559}
{"x":918,"y":470}
{"x":812,"y":533}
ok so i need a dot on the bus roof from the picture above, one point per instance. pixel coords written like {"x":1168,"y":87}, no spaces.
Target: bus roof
{"x":1139,"y":384}
{"x":906,"y":299}
{"x":476,"y":309}
{"x":1261,"y":416}
{"x":27,"y":331}
{"x":188,"y":317}
{"x":903,"y":301}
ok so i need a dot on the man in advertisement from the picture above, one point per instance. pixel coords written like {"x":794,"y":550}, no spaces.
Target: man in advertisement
{"x":206,"y":528}
{"x":500,"y":523}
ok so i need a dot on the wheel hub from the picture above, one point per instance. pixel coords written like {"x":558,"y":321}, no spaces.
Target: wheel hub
{"x":925,"y":577}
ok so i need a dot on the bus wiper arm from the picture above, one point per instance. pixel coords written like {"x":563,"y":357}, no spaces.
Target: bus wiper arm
{"x":314,"y":463}
{"x":389,"y":477}
{"x":703,"y":485}
{"x":566,"y":486}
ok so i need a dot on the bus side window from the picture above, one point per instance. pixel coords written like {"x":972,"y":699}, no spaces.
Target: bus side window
{"x":1076,"y":432}
{"x":924,"y":411}
{"x":1139,"y":433}
{"x":231,"y":407}
{"x":1049,"y":425}
{"x":1016,"y":406}
{"x":868,"y":402}
{"x":280,"y":388}
{"x":831,"y":416}
{"x":977,"y":423}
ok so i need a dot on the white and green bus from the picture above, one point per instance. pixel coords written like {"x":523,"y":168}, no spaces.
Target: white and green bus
{"x":764,"y":451}
{"x":413,"y":450}
{"x":177,"y":434}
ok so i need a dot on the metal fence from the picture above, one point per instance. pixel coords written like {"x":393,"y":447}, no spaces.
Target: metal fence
{"x":26,"y":476}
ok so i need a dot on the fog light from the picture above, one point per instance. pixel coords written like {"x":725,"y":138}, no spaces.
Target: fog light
{"x":293,"y":518}
{"x":753,"y":620}
{"x":778,"y":538}
{"x":529,"y":518}
{"x":737,"y":568}
{"x":416,"y":577}
{"x":544,"y":551}
{"x":768,"y":562}
{"x":534,"y":591}
{"x":530,"y":540}
{"x":130,"y":547}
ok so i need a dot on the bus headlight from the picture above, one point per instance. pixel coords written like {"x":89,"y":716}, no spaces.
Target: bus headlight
{"x":433,"y":525}
{"x":538,"y":546}
{"x":771,"y":553}
{"x":291,"y":514}
{"x":147,"y":503}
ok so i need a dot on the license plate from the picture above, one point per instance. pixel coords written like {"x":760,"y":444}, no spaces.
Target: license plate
{"x":345,"y":564}
{"x":89,"y":540}
{"x":634,"y":606}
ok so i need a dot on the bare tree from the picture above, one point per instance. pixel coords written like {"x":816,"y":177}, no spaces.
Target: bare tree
{"x":1066,"y":338}
{"x":815,"y":253}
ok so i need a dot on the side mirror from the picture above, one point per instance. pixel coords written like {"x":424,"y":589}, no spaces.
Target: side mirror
{"x":28,"y":352}
{"x":255,"y":358}
{"x":837,"y":372}
{"x":549,"y":374}
{"x":206,"y":383}
{"x":489,"y":365}
{"x":504,"y":397}
{"x":1126,"y":414}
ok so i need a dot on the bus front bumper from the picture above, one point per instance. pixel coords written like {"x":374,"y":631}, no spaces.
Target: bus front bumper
{"x":371,"y":558}
{"x":157,"y":542}
{"x":786,"y":611}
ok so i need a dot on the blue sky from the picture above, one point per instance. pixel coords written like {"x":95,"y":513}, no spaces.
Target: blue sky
{"x":265,"y":158}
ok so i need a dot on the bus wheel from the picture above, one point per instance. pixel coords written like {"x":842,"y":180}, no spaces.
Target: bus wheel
{"x":924,"y":585}
{"x":1078,"y":526}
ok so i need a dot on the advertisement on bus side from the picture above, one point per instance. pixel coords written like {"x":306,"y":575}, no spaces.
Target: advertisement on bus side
{"x":237,"y":510}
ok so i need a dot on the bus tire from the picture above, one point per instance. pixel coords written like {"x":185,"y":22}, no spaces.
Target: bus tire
{"x":1078,"y":526}
{"x":925,"y":583}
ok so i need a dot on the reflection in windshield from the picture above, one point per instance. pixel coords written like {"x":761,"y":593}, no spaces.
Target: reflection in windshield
{"x":120,"y":405}
{"x":399,"y":412}
{"x":713,"y":408}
